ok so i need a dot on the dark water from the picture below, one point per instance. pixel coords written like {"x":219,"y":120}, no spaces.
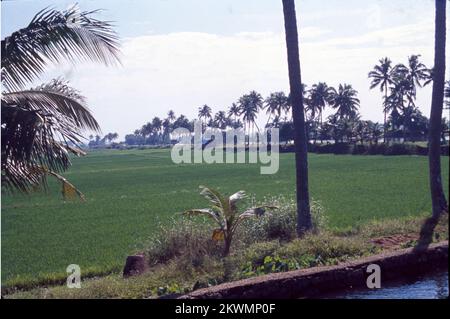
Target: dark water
{"x":434,"y":286}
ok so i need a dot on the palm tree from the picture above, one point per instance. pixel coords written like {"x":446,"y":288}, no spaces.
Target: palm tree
{"x":374,"y":131}
{"x":204,"y":112}
{"x":438,"y":200}
{"x":249,"y":105}
{"x":166,"y":125}
{"x":234,"y":111}
{"x":345,"y":101}
{"x":429,"y":77}
{"x":275,"y":104}
{"x":415,"y":72}
{"x":319,"y":97}
{"x":221,"y":120}
{"x":304,"y":222}
{"x":381,"y":76}
{"x":42,"y":125}
{"x":171,"y":116}
{"x":437,"y":194}
{"x":147,"y":129}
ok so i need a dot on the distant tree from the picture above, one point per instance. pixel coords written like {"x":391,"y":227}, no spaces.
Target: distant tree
{"x":234,"y":111}
{"x":382,"y":77}
{"x":171,"y":116}
{"x":320,"y":96}
{"x":221,"y":120}
{"x":166,"y":127}
{"x":345,"y":101}
{"x":204,"y":113}
{"x":147,"y":130}
{"x":286,"y":132}
{"x":275,"y":104}
{"x":250,"y":104}
{"x":375,"y":131}
{"x":415,"y":72}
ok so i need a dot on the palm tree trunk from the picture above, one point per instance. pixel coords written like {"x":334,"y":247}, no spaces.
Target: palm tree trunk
{"x":385,"y":116}
{"x":439,"y":202}
{"x":304,"y":222}
{"x":321,"y":127}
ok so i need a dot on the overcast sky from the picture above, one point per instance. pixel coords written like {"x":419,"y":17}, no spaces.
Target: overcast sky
{"x":181,"y":54}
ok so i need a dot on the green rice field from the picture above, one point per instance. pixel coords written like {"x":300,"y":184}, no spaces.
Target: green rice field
{"x":128,"y":193}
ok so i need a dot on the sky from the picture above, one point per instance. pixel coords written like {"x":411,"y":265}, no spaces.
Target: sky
{"x":182,"y":54}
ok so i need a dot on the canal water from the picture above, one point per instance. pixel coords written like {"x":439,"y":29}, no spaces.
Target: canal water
{"x":434,"y":286}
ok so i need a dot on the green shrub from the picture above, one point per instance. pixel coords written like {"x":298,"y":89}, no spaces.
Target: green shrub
{"x":184,"y":237}
{"x":281,"y":224}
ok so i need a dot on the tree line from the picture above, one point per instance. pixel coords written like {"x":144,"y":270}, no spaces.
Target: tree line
{"x":403,"y":121}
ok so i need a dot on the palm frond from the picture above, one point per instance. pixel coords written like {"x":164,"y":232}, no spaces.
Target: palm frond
{"x":236,"y":197}
{"x":204,"y":212}
{"x":40,"y":127}
{"x":216,"y":199}
{"x":53,"y":36}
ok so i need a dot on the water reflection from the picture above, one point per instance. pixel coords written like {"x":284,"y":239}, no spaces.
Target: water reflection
{"x":428,"y":287}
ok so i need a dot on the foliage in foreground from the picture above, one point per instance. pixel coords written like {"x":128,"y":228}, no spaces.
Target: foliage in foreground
{"x":41,"y":126}
{"x":184,"y":257}
{"x":225,"y":213}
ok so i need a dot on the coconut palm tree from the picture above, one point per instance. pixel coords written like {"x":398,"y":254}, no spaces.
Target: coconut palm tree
{"x":382,"y":77}
{"x":345,"y":101}
{"x":221,"y":120}
{"x":204,"y":112}
{"x":171,"y":116}
{"x":42,"y":125}
{"x":439,"y":201}
{"x":375,"y":131}
{"x":429,"y":77}
{"x":319,"y":97}
{"x":250,"y":104}
{"x":275,"y":104}
{"x":304,"y":222}
{"x":234,"y":111}
{"x":147,"y":129}
{"x":224,"y":213}
{"x":416,"y":73}
{"x":166,"y":125}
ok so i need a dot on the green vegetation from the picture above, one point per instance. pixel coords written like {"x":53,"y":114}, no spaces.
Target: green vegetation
{"x":196,"y":262}
{"x":129,"y":193}
{"x":225,"y":214}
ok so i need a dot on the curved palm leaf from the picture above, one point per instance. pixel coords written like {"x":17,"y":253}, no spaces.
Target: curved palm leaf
{"x":53,"y":36}
{"x":216,"y":199}
{"x":236,"y":197}
{"x":40,"y":127}
{"x":205,"y":212}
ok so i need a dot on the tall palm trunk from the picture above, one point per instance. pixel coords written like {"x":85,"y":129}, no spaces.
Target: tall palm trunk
{"x":439,"y":202}
{"x":304,"y":222}
{"x":385,"y":115}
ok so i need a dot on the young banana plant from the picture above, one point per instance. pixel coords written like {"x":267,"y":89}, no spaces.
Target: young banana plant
{"x":225,"y":214}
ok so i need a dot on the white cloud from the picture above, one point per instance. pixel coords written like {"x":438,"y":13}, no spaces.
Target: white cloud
{"x":182,"y":71}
